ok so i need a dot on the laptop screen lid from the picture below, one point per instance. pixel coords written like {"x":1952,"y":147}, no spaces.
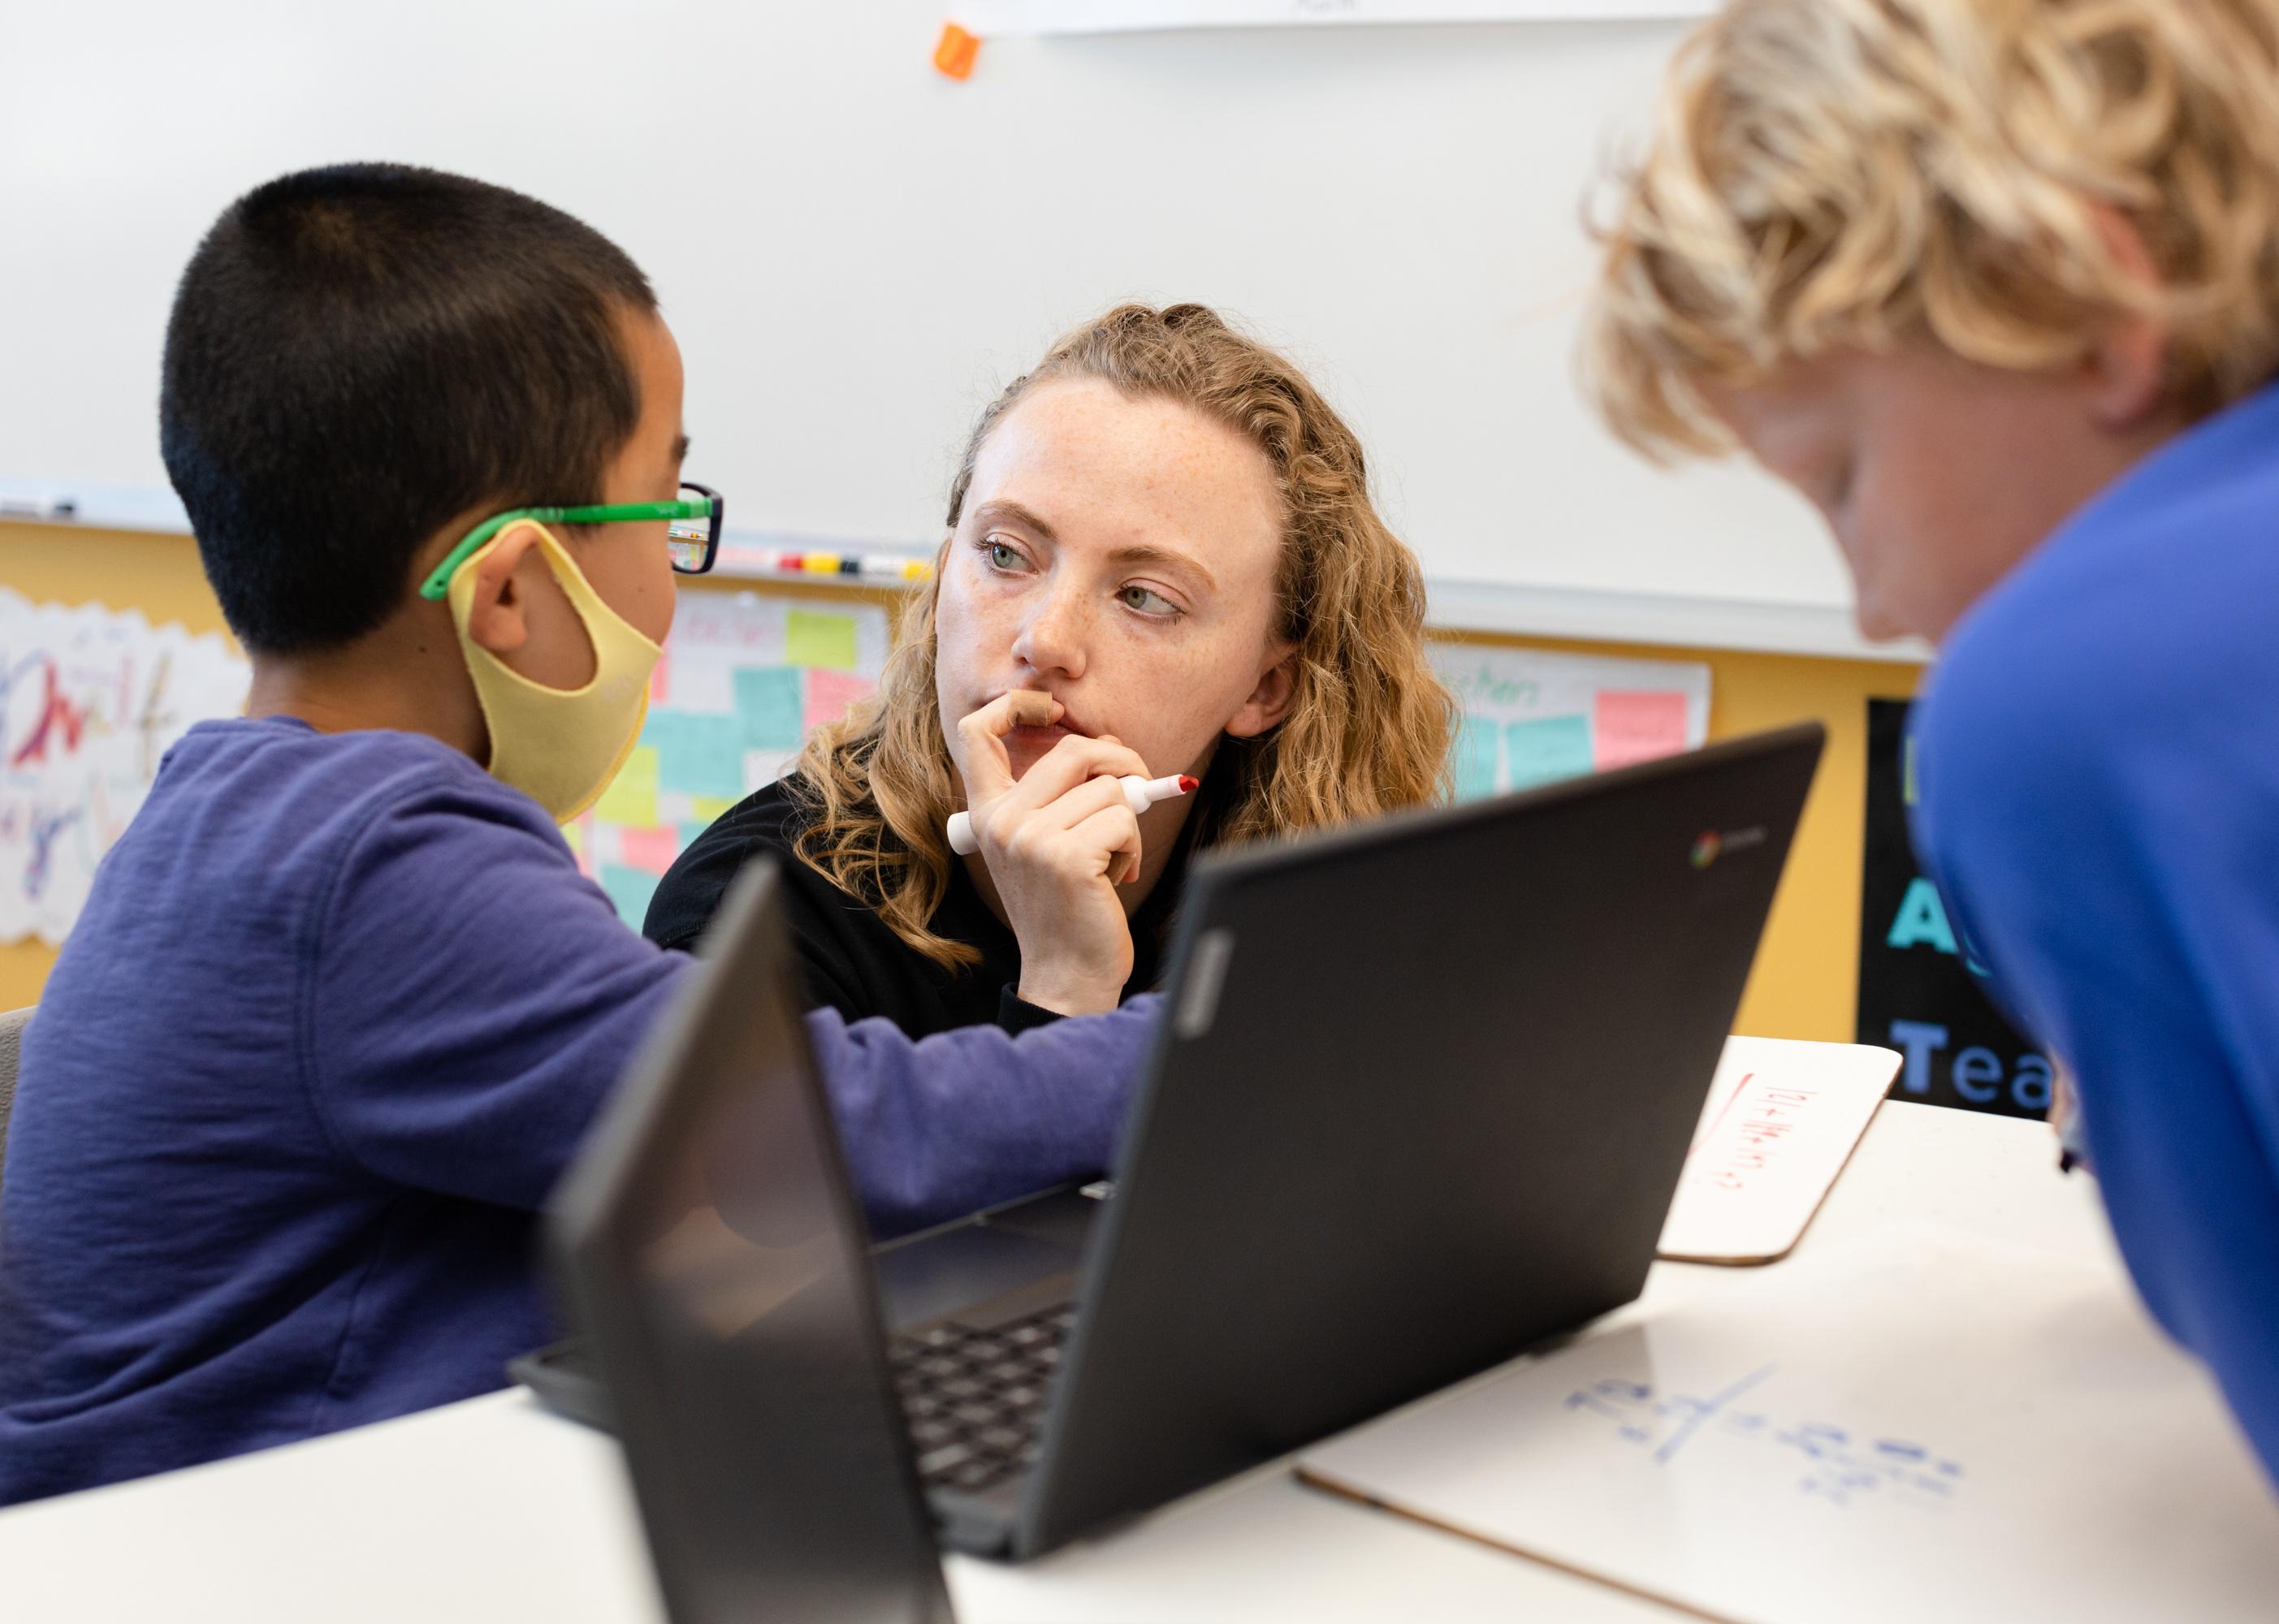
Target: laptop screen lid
{"x":1421,"y":1100}
{"x":714,"y":1255}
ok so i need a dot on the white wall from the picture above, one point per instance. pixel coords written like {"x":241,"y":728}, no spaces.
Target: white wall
{"x":855,"y":252}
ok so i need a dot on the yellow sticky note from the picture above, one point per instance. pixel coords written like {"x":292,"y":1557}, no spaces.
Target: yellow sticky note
{"x":709,"y":809}
{"x":813,"y":639}
{"x":574,"y":834}
{"x":631,"y":796}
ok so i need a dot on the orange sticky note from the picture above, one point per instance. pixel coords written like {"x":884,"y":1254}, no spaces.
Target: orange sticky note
{"x":955,"y":52}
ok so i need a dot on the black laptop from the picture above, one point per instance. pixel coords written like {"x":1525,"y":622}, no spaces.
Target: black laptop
{"x":711,"y":1249}
{"x":1419,"y":1101}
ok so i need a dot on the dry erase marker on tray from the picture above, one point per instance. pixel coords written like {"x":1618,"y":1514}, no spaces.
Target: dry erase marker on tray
{"x":24,"y":507}
{"x":1138,"y":794}
{"x":865,"y":566}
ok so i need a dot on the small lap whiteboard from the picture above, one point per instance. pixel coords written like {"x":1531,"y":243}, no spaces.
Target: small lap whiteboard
{"x":1782,"y":1119}
{"x":1924,"y":1427}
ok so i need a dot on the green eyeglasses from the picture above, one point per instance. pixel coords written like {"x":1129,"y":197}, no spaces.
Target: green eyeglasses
{"x":692,"y":533}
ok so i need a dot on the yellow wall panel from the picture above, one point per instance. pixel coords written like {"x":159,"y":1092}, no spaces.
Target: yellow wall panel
{"x":1802,"y":985}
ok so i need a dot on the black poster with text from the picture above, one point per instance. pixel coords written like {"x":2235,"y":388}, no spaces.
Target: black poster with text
{"x":1917,"y":993}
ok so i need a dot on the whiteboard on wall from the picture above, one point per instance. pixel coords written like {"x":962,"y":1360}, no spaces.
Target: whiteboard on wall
{"x":997,"y":16}
{"x":856,"y":252}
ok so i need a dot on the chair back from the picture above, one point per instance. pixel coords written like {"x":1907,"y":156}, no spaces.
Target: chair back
{"x":12,"y":1048}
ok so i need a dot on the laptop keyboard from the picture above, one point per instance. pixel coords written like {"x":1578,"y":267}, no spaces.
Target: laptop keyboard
{"x":976,"y":1398}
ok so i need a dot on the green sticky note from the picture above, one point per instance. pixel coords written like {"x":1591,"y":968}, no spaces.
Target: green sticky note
{"x":768,"y":706}
{"x":630,"y":890}
{"x":631,"y":796}
{"x":820,"y":639}
{"x":1541,"y":752}
{"x":1476,"y":759}
{"x":697,"y":754}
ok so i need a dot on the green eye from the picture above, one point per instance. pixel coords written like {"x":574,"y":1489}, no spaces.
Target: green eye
{"x":1147,"y":602}
{"x":1001,"y":556}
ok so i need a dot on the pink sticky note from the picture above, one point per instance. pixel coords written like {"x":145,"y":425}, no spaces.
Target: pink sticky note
{"x":649,"y":850}
{"x":830,"y":692}
{"x":1636,"y":727}
{"x":660,"y":680}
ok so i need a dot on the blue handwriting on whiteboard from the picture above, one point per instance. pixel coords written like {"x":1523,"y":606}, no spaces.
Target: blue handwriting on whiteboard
{"x":1837,"y":1466}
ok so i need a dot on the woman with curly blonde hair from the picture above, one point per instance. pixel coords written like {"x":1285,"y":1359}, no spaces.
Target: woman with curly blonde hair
{"x":1165,"y":532}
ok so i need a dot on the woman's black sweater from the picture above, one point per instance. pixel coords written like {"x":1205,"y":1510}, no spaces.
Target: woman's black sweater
{"x":851,"y":960}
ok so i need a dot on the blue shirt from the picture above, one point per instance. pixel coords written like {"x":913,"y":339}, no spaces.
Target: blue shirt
{"x":338,"y":1011}
{"x":2099,"y":755}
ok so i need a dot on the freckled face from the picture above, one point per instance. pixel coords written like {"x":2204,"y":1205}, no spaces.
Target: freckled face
{"x":1120,"y":554}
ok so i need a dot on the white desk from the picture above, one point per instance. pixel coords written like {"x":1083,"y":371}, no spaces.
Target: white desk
{"x":494,"y":1509}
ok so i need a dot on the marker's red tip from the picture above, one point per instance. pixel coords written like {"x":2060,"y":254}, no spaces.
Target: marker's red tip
{"x":1187,"y":785}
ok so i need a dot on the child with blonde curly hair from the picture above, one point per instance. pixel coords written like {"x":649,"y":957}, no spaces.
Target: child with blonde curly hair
{"x":1995,"y":283}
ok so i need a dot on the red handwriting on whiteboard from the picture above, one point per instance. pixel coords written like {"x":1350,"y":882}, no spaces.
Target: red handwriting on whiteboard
{"x":57,"y":719}
{"x":1765,"y":1122}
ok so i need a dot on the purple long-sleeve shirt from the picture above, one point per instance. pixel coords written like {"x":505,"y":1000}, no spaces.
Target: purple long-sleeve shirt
{"x":337,"y":1014}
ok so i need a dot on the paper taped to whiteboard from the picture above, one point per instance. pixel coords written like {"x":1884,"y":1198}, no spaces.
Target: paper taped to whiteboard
{"x":1782,"y":1119}
{"x":1531,"y":718}
{"x":90,"y":701}
{"x":1924,"y":1426}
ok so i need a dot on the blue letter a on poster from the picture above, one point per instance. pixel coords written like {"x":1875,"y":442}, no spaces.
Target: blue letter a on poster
{"x":1921,"y":918}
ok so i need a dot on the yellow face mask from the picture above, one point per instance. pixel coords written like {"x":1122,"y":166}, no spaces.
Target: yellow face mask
{"x":560,"y":746}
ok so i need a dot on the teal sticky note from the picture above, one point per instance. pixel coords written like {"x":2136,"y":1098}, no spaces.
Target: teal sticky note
{"x":630,"y":889}
{"x":1541,"y":752}
{"x":1476,"y":759}
{"x":697,"y":755}
{"x":768,"y":705}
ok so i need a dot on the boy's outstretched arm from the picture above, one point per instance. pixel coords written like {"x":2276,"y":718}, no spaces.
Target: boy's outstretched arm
{"x":469,"y":1000}
{"x":965,"y":1119}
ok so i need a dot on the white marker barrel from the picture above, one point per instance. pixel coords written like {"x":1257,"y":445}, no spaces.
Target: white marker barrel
{"x":1138,"y":794}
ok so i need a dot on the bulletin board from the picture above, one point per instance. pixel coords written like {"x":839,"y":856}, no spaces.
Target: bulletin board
{"x":743,"y":679}
{"x":1532,"y":717}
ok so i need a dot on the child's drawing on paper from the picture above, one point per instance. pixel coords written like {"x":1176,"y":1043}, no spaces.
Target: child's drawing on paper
{"x":90,"y":702}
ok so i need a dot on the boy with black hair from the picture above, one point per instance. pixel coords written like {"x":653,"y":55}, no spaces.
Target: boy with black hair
{"x":341,"y":1007}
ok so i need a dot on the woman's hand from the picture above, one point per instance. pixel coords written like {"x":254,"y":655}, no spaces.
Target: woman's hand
{"x":1057,"y":843}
